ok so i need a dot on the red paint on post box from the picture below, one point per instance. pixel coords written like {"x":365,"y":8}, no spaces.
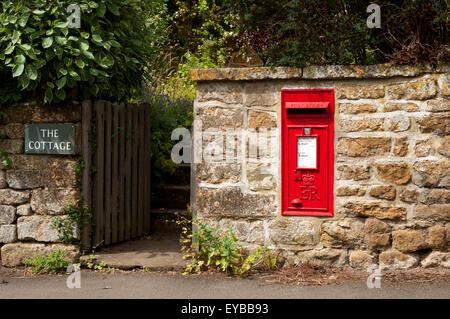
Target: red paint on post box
{"x":307,"y":148}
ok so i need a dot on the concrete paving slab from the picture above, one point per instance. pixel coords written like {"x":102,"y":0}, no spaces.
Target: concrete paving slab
{"x":160,"y":252}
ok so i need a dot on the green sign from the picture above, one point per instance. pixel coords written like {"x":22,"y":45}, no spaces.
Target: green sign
{"x":50,"y":139}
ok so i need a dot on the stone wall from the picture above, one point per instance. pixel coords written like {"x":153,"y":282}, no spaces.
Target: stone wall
{"x":392,"y":166}
{"x":35,"y":189}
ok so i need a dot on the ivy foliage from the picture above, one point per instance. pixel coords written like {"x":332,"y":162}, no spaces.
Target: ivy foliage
{"x":104,"y":58}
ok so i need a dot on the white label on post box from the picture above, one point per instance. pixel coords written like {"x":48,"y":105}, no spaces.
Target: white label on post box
{"x":307,"y":152}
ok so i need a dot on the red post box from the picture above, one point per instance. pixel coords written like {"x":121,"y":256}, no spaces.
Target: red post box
{"x":307,"y":148}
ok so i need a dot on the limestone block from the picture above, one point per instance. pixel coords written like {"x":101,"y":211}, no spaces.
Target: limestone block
{"x":395,"y":172}
{"x":393,"y":259}
{"x":7,"y":214}
{"x":364,"y":146}
{"x":17,"y":253}
{"x":52,"y":201}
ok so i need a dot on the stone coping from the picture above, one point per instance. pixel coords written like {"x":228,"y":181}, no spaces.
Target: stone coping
{"x":315,"y":72}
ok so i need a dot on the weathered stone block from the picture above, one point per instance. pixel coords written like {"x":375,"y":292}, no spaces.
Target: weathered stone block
{"x":353,"y":172}
{"x":437,"y":259}
{"x":378,"y":233}
{"x":437,"y":123}
{"x":292,"y":232}
{"x":325,"y":257}
{"x":374,"y":210}
{"x":350,"y":108}
{"x":408,"y":240}
{"x":423,"y":148}
{"x":216,"y":173}
{"x":431,"y":173}
{"x":12,"y":197}
{"x":441,"y":105}
{"x":229,"y":93}
{"x":3,"y":183}
{"x":364,"y":146}
{"x":60,"y":174}
{"x":444,"y":147}
{"x":383,"y":192}
{"x":393,"y":259}
{"x":397,"y":173}
{"x":420,"y":89}
{"x":366,"y":124}
{"x":262,"y":119}
{"x":342,"y":233}
{"x":360,"y":259}
{"x":246,"y":231}
{"x":350,"y":191}
{"x":52,"y":201}
{"x":24,"y":210}
{"x":7,"y":214}
{"x":261,"y":177}
{"x":401,"y":146}
{"x":220,"y":118}
{"x":434,"y":196}
{"x":230,"y":201}
{"x":444,"y":84}
{"x":15,"y":130}
{"x":398,"y":123}
{"x":409,"y":194}
{"x":408,"y":107}
{"x":435,"y":237}
{"x":355,"y":92}
{"x":24,"y":179}
{"x":17,"y":253}
{"x":39,"y":228}
{"x":260,"y":94}
{"x":8,"y":234}
{"x":432,"y":212}
{"x":12,"y":146}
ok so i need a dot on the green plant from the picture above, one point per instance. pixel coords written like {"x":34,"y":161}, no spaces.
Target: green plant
{"x":209,"y":248}
{"x":78,"y":217}
{"x":105,"y":58}
{"x":166,"y":114}
{"x":52,"y":263}
{"x":6,"y":161}
{"x":102,"y":266}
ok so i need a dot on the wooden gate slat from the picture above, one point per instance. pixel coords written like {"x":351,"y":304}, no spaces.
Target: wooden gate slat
{"x":99,"y":177}
{"x":122,"y":171}
{"x":87,"y":159}
{"x":128,"y":173}
{"x":108,"y":173}
{"x":134,"y":200}
{"x":147,"y":163}
{"x":141,"y":174}
{"x":115,"y":174}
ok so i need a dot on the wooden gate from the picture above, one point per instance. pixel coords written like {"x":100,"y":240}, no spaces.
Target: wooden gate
{"x":116,"y":174}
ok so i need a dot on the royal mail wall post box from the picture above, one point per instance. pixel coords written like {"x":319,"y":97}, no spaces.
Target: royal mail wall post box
{"x":307,"y":152}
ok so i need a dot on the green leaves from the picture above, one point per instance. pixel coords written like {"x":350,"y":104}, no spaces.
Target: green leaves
{"x":101,"y":58}
{"x":31,"y":72}
{"x":47,"y":42}
{"x":18,"y":70}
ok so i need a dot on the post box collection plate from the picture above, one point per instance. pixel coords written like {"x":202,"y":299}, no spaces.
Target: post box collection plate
{"x":50,"y":139}
{"x":307,"y":152}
